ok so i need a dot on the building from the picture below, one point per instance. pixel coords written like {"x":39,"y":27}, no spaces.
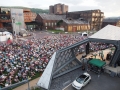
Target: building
{"x":5,"y":18}
{"x":111,"y":21}
{"x":58,"y":9}
{"x":51,"y":21}
{"x":48,"y":21}
{"x":6,"y":21}
{"x":29,"y":18}
{"x":93,"y":17}
{"x":72,"y":25}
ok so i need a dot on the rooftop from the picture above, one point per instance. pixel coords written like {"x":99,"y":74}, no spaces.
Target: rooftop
{"x":52,"y":16}
{"x":111,"y":20}
{"x":77,"y":21}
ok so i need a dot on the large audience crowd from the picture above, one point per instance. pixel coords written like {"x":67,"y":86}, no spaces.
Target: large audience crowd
{"x":23,"y":59}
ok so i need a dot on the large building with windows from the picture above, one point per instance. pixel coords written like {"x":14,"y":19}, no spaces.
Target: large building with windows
{"x":74,"y":25}
{"x":50,"y":21}
{"x":72,"y":21}
{"x":6,"y":21}
{"x":93,"y":17}
{"x":58,"y":9}
{"x":5,"y":18}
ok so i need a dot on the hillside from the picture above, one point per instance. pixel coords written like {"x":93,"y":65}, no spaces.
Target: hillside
{"x":36,"y":10}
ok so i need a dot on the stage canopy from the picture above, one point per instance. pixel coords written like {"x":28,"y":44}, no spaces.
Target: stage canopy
{"x":65,"y":61}
{"x":109,"y":32}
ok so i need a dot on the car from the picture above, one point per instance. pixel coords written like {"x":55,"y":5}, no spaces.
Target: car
{"x":81,"y":81}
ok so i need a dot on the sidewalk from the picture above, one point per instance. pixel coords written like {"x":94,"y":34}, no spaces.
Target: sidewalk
{"x":25,"y":86}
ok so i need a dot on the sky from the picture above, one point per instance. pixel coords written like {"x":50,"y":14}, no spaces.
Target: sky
{"x":110,"y":8}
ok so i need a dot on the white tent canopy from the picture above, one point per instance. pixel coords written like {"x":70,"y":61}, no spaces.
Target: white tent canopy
{"x":5,"y":35}
{"x":109,"y":32}
{"x":84,"y":34}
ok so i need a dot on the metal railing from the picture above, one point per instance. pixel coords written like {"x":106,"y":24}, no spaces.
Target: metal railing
{"x":15,"y":85}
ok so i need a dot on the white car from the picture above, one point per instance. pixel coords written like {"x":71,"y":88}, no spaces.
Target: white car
{"x":81,"y":81}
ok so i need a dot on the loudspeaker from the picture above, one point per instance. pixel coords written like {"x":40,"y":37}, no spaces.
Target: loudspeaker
{"x":87,"y":49}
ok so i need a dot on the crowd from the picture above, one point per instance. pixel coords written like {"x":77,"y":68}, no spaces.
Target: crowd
{"x":23,"y":59}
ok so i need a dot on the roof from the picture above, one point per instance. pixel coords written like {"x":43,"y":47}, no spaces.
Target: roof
{"x":52,"y":16}
{"x":97,"y":62}
{"x":67,"y":21}
{"x":84,"y":11}
{"x":109,"y":32}
{"x":111,"y":20}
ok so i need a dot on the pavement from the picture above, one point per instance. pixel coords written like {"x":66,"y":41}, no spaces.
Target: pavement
{"x":104,"y":82}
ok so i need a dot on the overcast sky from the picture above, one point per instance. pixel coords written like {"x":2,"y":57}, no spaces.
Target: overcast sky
{"x":109,"y":7}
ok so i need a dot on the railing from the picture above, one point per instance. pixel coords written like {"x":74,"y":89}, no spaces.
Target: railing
{"x":14,"y":85}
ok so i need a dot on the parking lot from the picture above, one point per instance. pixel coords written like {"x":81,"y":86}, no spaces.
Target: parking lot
{"x":104,"y":82}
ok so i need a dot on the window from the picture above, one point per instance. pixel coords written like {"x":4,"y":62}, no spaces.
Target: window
{"x":55,"y":23}
{"x":52,"y":24}
{"x":86,"y":79}
{"x":49,"y":23}
{"x":102,"y":14}
{"x":93,"y":14}
{"x":45,"y":24}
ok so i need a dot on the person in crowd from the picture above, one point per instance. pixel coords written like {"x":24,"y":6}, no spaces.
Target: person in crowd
{"x":23,"y":59}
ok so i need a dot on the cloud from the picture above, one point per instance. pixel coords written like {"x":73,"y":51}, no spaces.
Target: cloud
{"x":14,"y":3}
{"x":109,"y":7}
{"x":90,"y":3}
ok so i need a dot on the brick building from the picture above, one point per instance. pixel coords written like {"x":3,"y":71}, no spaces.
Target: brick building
{"x":50,"y":21}
{"x":58,"y":9}
{"x":93,"y":17}
{"x":29,"y":18}
{"x":6,"y":21}
{"x":72,"y":25}
{"x":111,"y":21}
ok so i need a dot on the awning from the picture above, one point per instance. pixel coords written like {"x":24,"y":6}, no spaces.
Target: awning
{"x":97,"y":62}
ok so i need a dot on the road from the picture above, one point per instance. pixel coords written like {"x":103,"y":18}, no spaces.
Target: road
{"x":104,"y":82}
{"x":69,"y":87}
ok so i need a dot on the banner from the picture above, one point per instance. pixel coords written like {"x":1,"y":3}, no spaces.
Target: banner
{"x":17,"y":17}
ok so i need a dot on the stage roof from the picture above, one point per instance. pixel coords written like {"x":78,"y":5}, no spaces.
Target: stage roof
{"x":109,"y":32}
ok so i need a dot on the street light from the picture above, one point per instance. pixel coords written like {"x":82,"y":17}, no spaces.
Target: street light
{"x":13,"y":20}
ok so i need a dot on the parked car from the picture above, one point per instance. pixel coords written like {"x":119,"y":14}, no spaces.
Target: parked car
{"x":81,"y":81}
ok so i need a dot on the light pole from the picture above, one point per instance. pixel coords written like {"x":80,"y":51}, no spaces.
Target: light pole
{"x":13,"y":20}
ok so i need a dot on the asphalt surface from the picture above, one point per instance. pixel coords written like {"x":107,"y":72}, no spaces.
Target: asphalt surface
{"x":104,"y":82}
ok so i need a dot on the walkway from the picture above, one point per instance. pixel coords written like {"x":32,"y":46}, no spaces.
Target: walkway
{"x":25,"y":86}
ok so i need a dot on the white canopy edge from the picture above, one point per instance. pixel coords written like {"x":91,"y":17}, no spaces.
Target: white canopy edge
{"x":46,"y":76}
{"x":109,"y":32}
